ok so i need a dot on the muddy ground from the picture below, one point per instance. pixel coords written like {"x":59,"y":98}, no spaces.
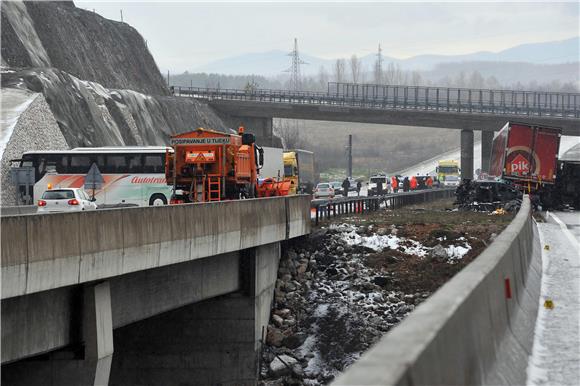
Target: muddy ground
{"x":356,"y":277}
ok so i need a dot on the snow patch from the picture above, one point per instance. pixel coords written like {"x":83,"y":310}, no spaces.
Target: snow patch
{"x":405,"y":245}
{"x":14,"y":103}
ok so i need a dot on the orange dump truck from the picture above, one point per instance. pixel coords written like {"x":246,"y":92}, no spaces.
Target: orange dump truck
{"x":208,"y":165}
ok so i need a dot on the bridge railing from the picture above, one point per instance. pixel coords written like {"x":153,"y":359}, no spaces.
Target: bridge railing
{"x":524,"y":103}
{"x":325,"y":210}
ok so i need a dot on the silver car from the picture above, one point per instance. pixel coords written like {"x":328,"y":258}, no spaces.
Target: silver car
{"x":451,"y":181}
{"x":324,"y":189}
{"x":65,"y":200}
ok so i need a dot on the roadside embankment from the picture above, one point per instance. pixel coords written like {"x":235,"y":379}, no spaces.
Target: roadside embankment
{"x":359,"y":276}
{"x":476,"y":329}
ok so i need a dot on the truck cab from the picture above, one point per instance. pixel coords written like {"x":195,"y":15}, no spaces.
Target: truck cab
{"x":448,"y":168}
{"x":299,"y":170}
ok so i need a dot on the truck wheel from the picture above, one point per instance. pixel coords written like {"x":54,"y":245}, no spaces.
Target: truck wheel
{"x":157,"y":200}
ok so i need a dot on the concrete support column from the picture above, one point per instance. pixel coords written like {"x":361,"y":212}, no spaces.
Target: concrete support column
{"x":71,"y":366}
{"x":466,"y":154}
{"x":216,"y":341}
{"x":486,"y":144}
{"x":98,"y":331}
{"x":261,"y":127}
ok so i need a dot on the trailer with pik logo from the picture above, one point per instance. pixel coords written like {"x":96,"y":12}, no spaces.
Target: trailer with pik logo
{"x":527,"y":155}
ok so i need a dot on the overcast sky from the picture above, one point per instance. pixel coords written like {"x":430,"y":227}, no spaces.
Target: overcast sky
{"x":185,"y":35}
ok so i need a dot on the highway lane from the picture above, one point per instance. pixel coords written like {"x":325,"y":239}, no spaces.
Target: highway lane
{"x":555,"y":358}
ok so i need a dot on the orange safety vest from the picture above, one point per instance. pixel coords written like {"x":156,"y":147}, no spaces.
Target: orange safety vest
{"x":394,"y":182}
{"x":429,"y":182}
{"x":413,"y":183}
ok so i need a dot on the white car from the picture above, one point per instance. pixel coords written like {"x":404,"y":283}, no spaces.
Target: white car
{"x":372,"y":189}
{"x":451,"y":181}
{"x":65,"y":200}
{"x":324,"y":189}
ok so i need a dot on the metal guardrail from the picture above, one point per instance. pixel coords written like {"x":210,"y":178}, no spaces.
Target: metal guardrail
{"x":444,"y":99}
{"x":328,"y":209}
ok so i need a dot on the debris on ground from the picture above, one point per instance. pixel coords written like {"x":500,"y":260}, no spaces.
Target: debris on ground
{"x":356,"y":278}
{"x":488,"y":195}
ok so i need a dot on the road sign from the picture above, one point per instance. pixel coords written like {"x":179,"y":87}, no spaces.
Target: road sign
{"x":94,"y":179}
{"x":23,"y":177}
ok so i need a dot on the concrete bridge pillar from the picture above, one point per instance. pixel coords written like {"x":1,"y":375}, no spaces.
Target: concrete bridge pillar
{"x":261,"y":127}
{"x":70,"y":366}
{"x":466,"y":154}
{"x":216,"y":341}
{"x":486,"y":144}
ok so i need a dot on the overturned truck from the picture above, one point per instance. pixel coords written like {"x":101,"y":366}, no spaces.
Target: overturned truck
{"x":525,"y":158}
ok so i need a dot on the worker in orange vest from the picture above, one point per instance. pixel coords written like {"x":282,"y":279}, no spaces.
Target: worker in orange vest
{"x":429,"y":182}
{"x":413,"y":183}
{"x":394,"y":184}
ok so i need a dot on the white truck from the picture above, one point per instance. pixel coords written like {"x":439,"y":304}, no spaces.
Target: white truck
{"x":273,"y":166}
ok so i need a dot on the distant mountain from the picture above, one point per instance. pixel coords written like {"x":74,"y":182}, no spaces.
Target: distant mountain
{"x":272,"y":63}
{"x":268,"y":63}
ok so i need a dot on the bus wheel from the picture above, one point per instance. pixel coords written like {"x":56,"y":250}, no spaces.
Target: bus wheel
{"x":157,"y":200}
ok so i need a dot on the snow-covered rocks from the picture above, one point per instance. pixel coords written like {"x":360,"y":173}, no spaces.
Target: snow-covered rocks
{"x":282,"y":365}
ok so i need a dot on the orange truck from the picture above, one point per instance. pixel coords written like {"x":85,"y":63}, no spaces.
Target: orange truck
{"x":205,"y":165}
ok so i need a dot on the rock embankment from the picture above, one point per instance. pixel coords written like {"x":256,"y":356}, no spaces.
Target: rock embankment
{"x":89,"y":114}
{"x":330,"y":307}
{"x":28,"y":124}
{"x":339,"y":291}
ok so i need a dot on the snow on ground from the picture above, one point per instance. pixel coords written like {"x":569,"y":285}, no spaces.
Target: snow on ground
{"x":555,"y":358}
{"x":380,"y":242}
{"x":14,"y":102}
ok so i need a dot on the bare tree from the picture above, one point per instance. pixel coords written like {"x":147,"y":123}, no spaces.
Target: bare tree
{"x":491,"y":82}
{"x":393,"y":74}
{"x":378,"y":73}
{"x":355,"y":66}
{"x":363,"y":74}
{"x":339,"y":66}
{"x":460,"y":80}
{"x":476,"y":80}
{"x":322,"y":78}
{"x":288,"y":131}
{"x":416,"y":79}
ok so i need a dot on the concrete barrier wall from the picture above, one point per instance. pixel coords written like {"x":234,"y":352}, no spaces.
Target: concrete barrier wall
{"x":469,"y":331}
{"x":17,"y":210}
{"x":46,"y":251}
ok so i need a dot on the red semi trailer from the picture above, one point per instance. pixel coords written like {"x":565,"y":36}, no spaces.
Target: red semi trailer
{"x":527,"y":155}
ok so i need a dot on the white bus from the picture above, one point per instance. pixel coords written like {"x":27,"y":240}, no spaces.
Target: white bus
{"x":132,"y":175}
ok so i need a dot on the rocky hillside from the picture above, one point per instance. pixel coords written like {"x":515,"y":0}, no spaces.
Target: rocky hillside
{"x":82,"y":43}
{"x":91,"y":115}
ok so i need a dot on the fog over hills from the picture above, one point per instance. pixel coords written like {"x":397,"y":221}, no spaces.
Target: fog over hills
{"x":272,"y":63}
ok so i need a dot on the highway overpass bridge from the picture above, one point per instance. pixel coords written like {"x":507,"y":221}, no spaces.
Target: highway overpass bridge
{"x":203,"y":276}
{"x":450,"y":108}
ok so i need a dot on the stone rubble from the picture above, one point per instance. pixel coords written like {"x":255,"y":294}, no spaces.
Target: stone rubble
{"x":330,"y":307}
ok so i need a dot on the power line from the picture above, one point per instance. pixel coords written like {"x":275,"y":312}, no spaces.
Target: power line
{"x":294,"y":70}
{"x":379,"y":66}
